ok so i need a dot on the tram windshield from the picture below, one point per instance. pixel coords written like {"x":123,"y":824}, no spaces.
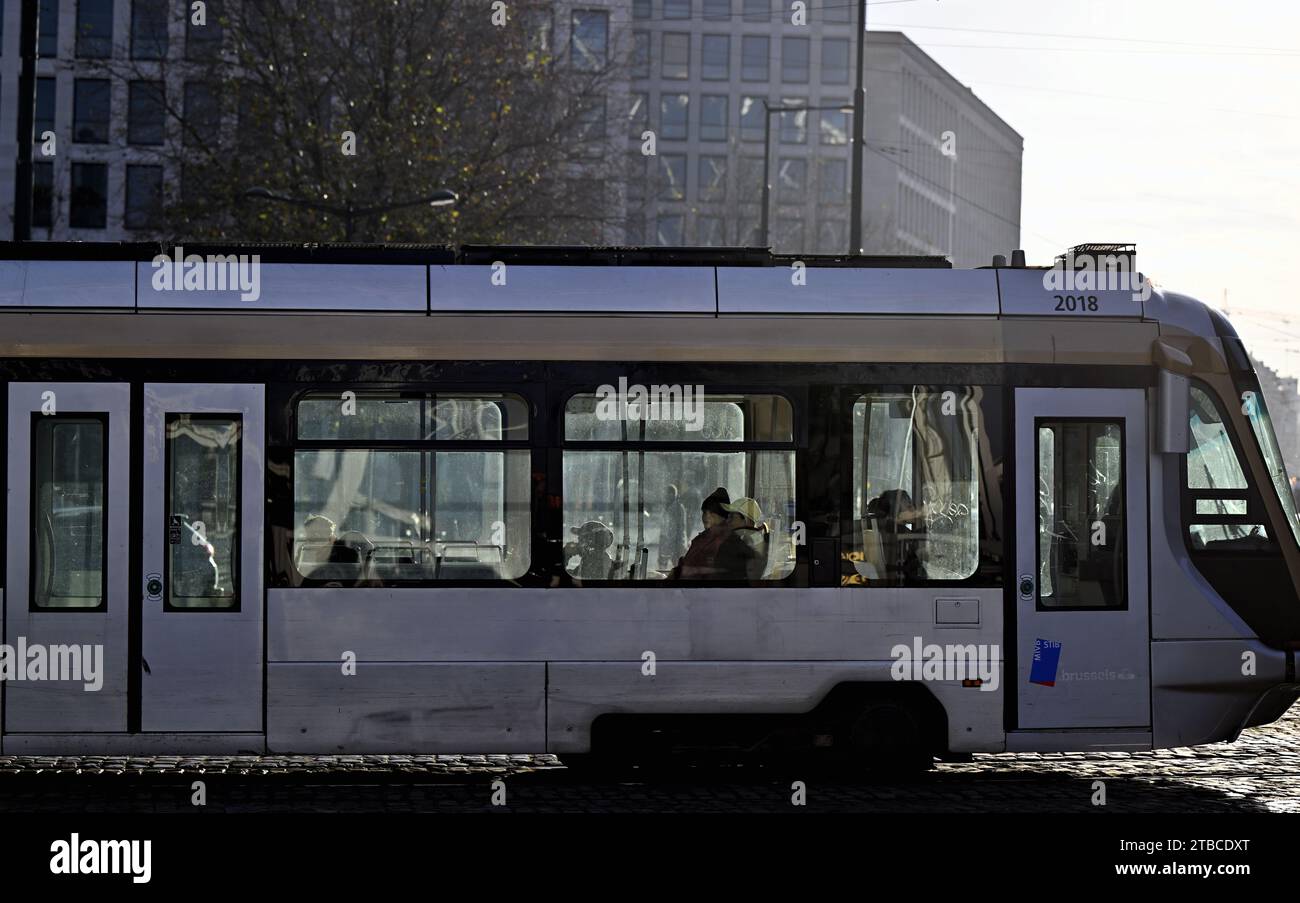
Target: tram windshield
{"x":1262,"y":425}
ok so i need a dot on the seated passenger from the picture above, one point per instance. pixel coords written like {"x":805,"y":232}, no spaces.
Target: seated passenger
{"x":743,"y":555}
{"x":319,"y":531}
{"x":897,"y":520}
{"x":699,"y":562}
{"x":592,"y":551}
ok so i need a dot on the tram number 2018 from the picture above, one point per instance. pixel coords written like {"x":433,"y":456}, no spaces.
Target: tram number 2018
{"x":1076,"y":303}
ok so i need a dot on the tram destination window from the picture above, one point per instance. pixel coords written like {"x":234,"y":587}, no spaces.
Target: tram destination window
{"x":203,"y":456}
{"x":69,"y":461}
{"x":633,"y":504}
{"x":398,"y":488}
{"x":1081,"y":514}
{"x":1220,"y":499}
{"x":916,"y":486}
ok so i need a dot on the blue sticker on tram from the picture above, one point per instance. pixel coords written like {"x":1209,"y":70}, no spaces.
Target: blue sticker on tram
{"x":1047,"y":656}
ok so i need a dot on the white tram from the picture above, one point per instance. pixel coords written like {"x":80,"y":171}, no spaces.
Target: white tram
{"x":421,"y":500}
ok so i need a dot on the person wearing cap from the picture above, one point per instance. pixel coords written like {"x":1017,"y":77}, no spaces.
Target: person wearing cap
{"x":743,"y":555}
{"x":592,"y":550}
{"x":699,"y":562}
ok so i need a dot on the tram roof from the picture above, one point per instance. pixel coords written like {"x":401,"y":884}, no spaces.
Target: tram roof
{"x":419,"y":279}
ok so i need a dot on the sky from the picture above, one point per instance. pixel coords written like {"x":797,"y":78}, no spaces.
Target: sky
{"x":1174,"y":124}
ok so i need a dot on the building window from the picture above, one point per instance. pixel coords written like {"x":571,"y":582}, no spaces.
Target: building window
{"x":638,"y":114}
{"x":753,"y":116}
{"x":916,"y":486}
{"x":713,"y":117}
{"x":144,"y":185}
{"x":202,"y":114}
{"x":834,"y":126}
{"x":370,"y":514}
{"x":712,"y":182}
{"x":672,"y":177}
{"x":834,"y":182}
{"x":792,"y":180}
{"x":148,"y":29}
{"x":709,"y":231}
{"x":89,"y":196}
{"x":676,"y":61}
{"x":758,"y":10}
{"x":90,"y":110}
{"x":835,"y":61}
{"x":46,"y":101}
{"x":831,"y":236}
{"x":838,"y":11}
{"x":715,"y":57}
{"x":677,"y":9}
{"x":640,"y":54}
{"x":754,"y":52}
{"x":794,"y":122}
{"x":717,"y":10}
{"x":589,"y":125}
{"x":43,"y":195}
{"x":539,"y":34}
{"x":600,"y":485}
{"x":590,"y":40}
{"x":673,"y":116}
{"x":94,"y":29}
{"x":642,"y":9}
{"x":204,"y":41}
{"x":48,"y":42}
{"x":146,"y":114}
{"x":788,"y":235}
{"x":668,"y":230}
{"x":794,"y":60}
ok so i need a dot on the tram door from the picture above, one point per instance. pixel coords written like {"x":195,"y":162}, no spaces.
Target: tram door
{"x":201,"y":644}
{"x":68,"y":527}
{"x":1082,"y":625}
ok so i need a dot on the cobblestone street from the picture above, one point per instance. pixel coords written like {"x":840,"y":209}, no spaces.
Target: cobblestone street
{"x":1258,"y":773}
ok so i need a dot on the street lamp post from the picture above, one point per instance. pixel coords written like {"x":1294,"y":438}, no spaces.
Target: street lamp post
{"x":859,"y":135}
{"x":767,"y":156}
{"x":349,"y":213}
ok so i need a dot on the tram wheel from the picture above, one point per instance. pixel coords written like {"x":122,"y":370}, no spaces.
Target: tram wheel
{"x":888,"y":736}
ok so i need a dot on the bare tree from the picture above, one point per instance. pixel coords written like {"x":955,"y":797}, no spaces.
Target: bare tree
{"x":370,"y":103}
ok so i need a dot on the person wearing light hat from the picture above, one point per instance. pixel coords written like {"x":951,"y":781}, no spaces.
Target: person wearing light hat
{"x":743,"y":555}
{"x":699,"y":562}
{"x":591,"y":549}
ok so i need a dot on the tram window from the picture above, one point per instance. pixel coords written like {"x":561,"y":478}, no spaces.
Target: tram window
{"x":370,"y":514}
{"x":1081,"y":514}
{"x":607,"y":539}
{"x":405,"y":416}
{"x":69,"y":460}
{"x":916,"y":486}
{"x":203,"y":454}
{"x":676,"y":414}
{"x":1213,"y":467}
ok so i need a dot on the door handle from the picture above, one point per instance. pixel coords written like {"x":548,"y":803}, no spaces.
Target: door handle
{"x":1026,"y":586}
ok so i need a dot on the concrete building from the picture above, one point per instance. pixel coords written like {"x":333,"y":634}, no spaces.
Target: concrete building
{"x":103,"y":177}
{"x":700,"y":72}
